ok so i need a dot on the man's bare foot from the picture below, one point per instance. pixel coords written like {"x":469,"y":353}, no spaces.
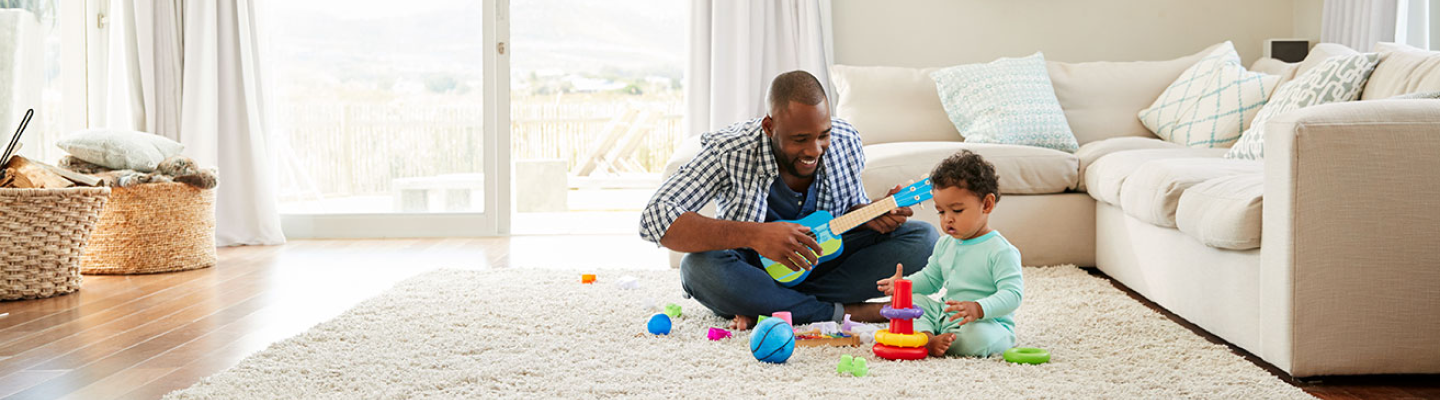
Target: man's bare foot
{"x":938,"y":344}
{"x":865,"y":312}
{"x":742,"y":322}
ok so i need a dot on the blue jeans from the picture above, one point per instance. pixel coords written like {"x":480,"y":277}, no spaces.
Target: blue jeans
{"x":731,"y":282}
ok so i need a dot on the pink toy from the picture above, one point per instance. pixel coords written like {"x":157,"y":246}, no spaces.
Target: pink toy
{"x":785,"y":315}
{"x":717,"y":334}
{"x":848,"y":326}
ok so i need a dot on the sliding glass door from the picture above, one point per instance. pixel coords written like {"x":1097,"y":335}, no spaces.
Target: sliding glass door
{"x":389,"y":117}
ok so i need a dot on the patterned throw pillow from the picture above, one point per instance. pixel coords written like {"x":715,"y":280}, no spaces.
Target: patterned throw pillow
{"x":1337,"y":79}
{"x":1006,"y":101}
{"x":1210,"y":103}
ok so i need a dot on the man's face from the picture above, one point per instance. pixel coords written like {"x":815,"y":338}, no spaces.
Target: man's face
{"x":800,"y":134}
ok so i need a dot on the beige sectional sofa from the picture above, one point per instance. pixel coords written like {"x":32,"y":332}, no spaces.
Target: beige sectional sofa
{"x":1319,"y":259}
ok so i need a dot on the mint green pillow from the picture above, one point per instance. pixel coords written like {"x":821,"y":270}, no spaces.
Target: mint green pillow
{"x":1006,"y":101}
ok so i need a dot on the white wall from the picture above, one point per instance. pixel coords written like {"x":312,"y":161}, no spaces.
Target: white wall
{"x":1307,"y":19}
{"x":923,"y":33}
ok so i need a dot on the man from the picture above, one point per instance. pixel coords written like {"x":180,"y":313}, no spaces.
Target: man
{"x":794,"y":161}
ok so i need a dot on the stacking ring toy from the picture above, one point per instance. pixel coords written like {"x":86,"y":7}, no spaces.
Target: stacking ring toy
{"x":884,"y":337}
{"x":912,"y":312}
{"x":1027,"y":355}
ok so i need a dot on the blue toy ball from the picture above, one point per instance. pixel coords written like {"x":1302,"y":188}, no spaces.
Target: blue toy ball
{"x":659,"y":324}
{"x":773,"y":341}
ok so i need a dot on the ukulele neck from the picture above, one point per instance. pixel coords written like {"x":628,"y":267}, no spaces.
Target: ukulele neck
{"x":855,"y":218}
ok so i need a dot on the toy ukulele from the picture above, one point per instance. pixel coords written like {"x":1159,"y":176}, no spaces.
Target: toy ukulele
{"x":826,"y":230}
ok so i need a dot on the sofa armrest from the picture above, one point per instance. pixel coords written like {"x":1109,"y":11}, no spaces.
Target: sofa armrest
{"x":1350,"y":272}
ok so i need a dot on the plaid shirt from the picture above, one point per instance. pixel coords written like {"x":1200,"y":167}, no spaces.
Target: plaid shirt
{"x":736,"y":167}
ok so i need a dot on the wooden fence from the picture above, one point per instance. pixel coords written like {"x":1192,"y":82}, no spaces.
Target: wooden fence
{"x":351,"y":148}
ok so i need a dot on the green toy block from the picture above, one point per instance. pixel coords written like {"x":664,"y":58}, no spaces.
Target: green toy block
{"x":854,"y":366}
{"x":673,"y":310}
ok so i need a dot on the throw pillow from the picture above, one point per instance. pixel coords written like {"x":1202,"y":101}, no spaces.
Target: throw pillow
{"x":120,"y":149}
{"x":1006,"y":101}
{"x":1402,"y":69}
{"x":1211,"y":103}
{"x":1335,"y":80}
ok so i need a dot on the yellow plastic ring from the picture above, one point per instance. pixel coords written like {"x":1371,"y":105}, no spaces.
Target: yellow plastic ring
{"x":884,"y":337}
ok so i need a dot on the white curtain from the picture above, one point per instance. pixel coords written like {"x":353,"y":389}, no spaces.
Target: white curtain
{"x":1413,"y":23}
{"x":1360,"y":24}
{"x":737,"y":47}
{"x":192,"y":75}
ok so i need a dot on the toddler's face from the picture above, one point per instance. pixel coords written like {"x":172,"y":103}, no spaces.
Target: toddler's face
{"x":963,"y":215}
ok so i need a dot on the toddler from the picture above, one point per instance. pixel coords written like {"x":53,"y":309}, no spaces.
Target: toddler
{"x":978,"y":268}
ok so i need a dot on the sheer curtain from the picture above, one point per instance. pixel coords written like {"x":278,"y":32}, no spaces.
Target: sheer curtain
{"x":737,"y":47}
{"x":1359,"y":24}
{"x":192,"y":74}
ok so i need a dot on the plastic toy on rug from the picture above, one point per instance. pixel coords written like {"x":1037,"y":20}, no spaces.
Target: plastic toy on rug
{"x":659,"y":324}
{"x":900,"y":342}
{"x":587,"y":278}
{"x":825,"y":334}
{"x":717,"y":334}
{"x":855,"y":366}
{"x":773,"y":341}
{"x":628,"y":283}
{"x":673,"y":310}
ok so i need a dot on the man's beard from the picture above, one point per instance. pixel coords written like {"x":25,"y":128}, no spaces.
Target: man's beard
{"x":789,"y":164}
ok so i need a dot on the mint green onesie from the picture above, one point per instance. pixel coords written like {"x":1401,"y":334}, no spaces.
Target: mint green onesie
{"x":984,"y":270}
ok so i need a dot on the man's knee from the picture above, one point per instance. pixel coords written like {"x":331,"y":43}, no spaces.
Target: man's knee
{"x":919,"y":231}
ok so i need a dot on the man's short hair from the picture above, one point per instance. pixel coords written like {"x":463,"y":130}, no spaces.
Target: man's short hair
{"x":798,"y":86}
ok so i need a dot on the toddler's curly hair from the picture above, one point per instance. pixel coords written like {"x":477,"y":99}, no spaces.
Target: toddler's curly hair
{"x":969,"y":171}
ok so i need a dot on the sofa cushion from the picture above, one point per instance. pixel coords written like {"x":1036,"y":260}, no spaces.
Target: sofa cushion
{"x":891,"y":104}
{"x":1338,"y":79}
{"x":1224,"y":212}
{"x":1006,"y":101}
{"x":1101,"y":98}
{"x":1022,"y":169}
{"x":1284,"y":70}
{"x":1090,"y":152}
{"x":1105,"y":177}
{"x":1210,"y":103}
{"x":1152,"y":193}
{"x":1402,"y":70}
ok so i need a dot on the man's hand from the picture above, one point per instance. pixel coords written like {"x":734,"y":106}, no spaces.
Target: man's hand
{"x":890,"y":221}
{"x":968,"y":310}
{"x":887,"y":285}
{"x":788,"y":244}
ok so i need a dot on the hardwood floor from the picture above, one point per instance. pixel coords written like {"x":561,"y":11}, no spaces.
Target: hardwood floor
{"x":141,"y":336}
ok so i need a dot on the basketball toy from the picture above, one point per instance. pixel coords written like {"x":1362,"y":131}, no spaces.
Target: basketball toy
{"x":772,"y":341}
{"x":659,"y":324}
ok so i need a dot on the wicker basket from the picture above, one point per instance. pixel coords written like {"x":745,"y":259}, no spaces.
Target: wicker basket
{"x":150,"y":228}
{"x":43,"y":233}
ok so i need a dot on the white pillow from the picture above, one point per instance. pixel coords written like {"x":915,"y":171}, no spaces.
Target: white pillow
{"x":1211,"y":103}
{"x":1100,"y":98}
{"x":891,"y":104}
{"x":1006,"y":101}
{"x":1337,"y":79}
{"x":120,"y":149}
{"x":1403,"y":69}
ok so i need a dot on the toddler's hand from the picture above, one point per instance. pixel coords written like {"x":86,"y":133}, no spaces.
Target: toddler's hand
{"x":968,"y":310}
{"x":887,"y":285}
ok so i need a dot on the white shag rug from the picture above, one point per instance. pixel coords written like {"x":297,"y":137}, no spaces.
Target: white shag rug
{"x":509,"y":333}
